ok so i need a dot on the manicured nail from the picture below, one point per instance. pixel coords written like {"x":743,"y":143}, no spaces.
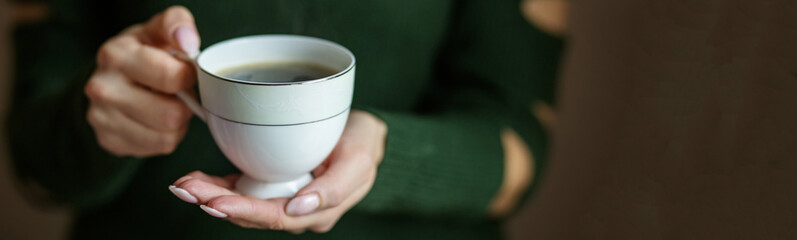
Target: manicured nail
{"x":213,"y":211}
{"x":303,"y":205}
{"x":188,"y":40}
{"x":182,"y":194}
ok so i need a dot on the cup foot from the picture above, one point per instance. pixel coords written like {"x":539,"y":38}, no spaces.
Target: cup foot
{"x":249,"y":186}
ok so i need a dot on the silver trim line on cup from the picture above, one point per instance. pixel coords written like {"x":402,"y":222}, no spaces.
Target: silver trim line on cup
{"x":278,"y":125}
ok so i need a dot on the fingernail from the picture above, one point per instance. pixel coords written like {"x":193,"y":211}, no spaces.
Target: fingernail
{"x":182,"y":194}
{"x":213,"y":211}
{"x":188,"y":40}
{"x":303,"y":205}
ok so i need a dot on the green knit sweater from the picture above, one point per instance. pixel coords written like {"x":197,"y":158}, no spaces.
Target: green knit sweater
{"x":446,"y":76}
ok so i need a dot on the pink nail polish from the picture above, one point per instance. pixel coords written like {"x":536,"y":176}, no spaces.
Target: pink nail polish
{"x":303,"y":205}
{"x":188,"y":40}
{"x":182,"y":194}
{"x":213,"y":211}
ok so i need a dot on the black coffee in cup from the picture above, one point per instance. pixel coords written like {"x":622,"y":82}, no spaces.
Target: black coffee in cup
{"x":278,"y":72}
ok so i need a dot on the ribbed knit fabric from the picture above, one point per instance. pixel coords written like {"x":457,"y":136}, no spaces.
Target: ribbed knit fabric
{"x":448,"y":166}
{"x":446,"y":77}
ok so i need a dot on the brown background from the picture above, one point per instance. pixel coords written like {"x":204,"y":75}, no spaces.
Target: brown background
{"x":18,"y":218}
{"x":678,"y":120}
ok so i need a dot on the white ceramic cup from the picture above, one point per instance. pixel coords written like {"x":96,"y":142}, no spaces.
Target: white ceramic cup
{"x":276,"y":133}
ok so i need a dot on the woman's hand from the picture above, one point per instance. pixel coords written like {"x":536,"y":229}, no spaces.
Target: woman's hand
{"x":133,"y":109}
{"x":550,"y":16}
{"x":341,"y":182}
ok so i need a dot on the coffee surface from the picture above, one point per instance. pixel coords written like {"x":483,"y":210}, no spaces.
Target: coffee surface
{"x":278,"y":72}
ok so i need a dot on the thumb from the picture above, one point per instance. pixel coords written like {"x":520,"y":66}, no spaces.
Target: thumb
{"x":336,"y":184}
{"x":174,"y":28}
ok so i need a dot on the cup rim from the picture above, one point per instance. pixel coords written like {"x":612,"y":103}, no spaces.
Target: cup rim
{"x":244,"y":39}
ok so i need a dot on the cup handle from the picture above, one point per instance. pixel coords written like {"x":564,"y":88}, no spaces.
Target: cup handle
{"x":183,"y":95}
{"x":193,"y":105}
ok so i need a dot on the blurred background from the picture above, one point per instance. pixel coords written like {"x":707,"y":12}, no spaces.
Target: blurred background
{"x":20,"y":219}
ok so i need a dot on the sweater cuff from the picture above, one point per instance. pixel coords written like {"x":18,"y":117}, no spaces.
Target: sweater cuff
{"x":437,"y":165}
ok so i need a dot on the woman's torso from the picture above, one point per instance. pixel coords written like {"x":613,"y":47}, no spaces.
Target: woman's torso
{"x":396,"y":44}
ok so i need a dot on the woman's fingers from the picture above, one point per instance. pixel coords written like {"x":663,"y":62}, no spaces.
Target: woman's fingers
{"x":157,"y":111}
{"x":159,"y":70}
{"x":343,"y":176}
{"x":203,"y":191}
{"x":154,"y":122}
{"x":130,"y":111}
{"x":225,"y":182}
{"x":146,"y":63}
{"x":198,"y":187}
{"x":323,"y":220}
{"x":130,"y":136}
{"x":214,"y":196}
{"x":108,"y":140}
{"x":174,"y":28}
{"x":321,"y":169}
{"x":252,"y":211}
{"x":351,"y":164}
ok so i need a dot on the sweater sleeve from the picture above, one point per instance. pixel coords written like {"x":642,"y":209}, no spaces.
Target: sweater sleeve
{"x":51,"y":144}
{"x":446,"y":158}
